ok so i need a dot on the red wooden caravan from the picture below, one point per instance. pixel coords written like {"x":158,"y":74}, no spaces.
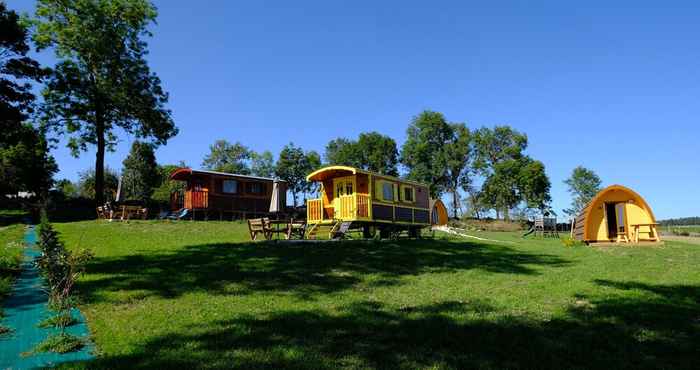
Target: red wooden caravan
{"x":224,"y":194}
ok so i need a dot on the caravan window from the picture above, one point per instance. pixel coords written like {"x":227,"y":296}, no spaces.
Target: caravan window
{"x":230,"y":186}
{"x":408,"y":195}
{"x":388,"y":191}
{"x":256,"y":188}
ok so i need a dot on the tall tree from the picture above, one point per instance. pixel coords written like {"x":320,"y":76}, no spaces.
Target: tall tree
{"x":458,"y":152}
{"x":87,"y":188}
{"x":226,"y":157}
{"x":161,"y":194}
{"x":140,"y":174}
{"x":534,"y":185}
{"x":342,"y":151}
{"x":378,"y":153}
{"x":102,"y":80}
{"x":372,"y":151}
{"x":583,"y":185}
{"x":423,"y":152}
{"x":25,"y":162}
{"x":293,"y":166}
{"x":496,"y":145}
{"x":499,"y":158}
{"x":262,"y":164}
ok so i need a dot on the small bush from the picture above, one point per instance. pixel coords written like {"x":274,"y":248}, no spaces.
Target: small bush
{"x":680,"y":232}
{"x":59,"y":343}
{"x":61,"y":320}
{"x":570,"y":242}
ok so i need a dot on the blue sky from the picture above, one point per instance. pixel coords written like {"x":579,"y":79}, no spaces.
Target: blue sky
{"x":613,"y":87}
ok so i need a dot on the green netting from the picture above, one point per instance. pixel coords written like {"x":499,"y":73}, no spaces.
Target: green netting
{"x":24,"y":308}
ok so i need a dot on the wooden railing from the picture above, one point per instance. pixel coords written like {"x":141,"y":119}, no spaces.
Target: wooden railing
{"x":353,"y":207}
{"x":314,"y":210}
{"x":197,"y":199}
{"x":362,"y":201}
{"x":347,"y":208}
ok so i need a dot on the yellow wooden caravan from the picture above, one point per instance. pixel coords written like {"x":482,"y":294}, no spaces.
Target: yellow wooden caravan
{"x":616,"y":214}
{"x":368,"y":200}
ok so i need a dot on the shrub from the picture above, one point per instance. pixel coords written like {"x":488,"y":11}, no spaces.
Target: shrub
{"x":58,"y":343}
{"x":570,"y":242}
{"x":61,"y":268}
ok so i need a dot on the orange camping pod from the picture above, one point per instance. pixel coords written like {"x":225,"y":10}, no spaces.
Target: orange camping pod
{"x":438,"y":213}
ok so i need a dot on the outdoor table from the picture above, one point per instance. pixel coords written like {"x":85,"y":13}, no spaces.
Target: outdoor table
{"x":652,"y":230}
{"x":276,"y":227}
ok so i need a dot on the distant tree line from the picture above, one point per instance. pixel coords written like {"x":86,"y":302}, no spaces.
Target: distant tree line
{"x":447,"y":156}
{"x":683,"y":221}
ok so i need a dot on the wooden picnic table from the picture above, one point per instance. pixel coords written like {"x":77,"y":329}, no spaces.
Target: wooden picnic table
{"x":652,"y":231}
{"x":275,"y":229}
{"x":128,"y":211}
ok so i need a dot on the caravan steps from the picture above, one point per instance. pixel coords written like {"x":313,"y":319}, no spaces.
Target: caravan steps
{"x":335,"y":230}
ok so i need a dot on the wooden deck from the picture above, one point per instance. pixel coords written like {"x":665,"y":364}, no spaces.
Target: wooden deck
{"x":639,"y":244}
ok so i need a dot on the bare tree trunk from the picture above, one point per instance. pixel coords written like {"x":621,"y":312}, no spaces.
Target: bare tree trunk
{"x":100,"y":162}
{"x":455,"y":202}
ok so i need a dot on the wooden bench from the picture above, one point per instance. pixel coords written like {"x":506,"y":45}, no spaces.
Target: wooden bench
{"x":260,"y":226}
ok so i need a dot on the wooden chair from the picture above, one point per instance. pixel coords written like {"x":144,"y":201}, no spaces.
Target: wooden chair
{"x":622,"y":237}
{"x":260,"y":226}
{"x":296,"y":229}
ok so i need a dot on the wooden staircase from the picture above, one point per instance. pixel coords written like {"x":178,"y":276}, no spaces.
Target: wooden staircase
{"x":337,"y":229}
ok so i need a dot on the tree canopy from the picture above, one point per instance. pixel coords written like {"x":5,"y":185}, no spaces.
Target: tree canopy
{"x":102,"y":80}
{"x":262,"y":164}
{"x":25,"y":162}
{"x":583,"y":185}
{"x":423,"y":152}
{"x":293,"y":166}
{"x":226,"y":157}
{"x":140,"y":174}
{"x":86,"y":184}
{"x":372,"y":151}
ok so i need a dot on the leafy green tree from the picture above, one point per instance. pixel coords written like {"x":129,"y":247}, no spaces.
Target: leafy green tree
{"x":66,"y":188}
{"x":25,"y":162}
{"x":262,"y":164}
{"x":87,"y":188}
{"x":372,"y":151}
{"x":514,"y":181}
{"x":101,"y":81}
{"x":500,"y":189}
{"x":583,"y":185}
{"x":378,"y":153}
{"x":423,"y":152}
{"x":534,"y":185}
{"x":293,"y":166}
{"x":161,"y":194}
{"x":497,"y":145}
{"x":342,"y":151}
{"x":140,"y":173}
{"x":458,"y":155}
{"x":227,"y":157}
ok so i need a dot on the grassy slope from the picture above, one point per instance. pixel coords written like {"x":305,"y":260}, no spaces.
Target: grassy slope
{"x":197,"y":295}
{"x":10,"y":256}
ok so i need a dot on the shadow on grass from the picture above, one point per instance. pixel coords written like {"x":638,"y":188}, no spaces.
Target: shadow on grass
{"x":303,"y":270}
{"x":657,"y":329}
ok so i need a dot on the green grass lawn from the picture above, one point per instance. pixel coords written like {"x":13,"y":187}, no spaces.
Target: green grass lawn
{"x":11,"y":239}
{"x":199,"y":295}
